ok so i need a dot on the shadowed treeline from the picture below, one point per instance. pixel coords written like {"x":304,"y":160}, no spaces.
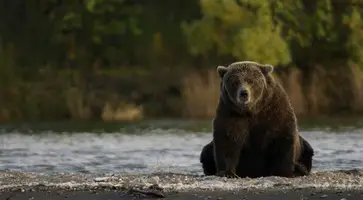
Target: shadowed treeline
{"x":130,"y":59}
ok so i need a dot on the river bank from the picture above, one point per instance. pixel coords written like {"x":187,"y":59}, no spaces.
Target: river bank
{"x":347,"y":184}
{"x":306,"y":194}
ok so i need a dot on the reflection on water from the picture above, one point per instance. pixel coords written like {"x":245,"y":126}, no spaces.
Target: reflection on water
{"x":156,"y":147}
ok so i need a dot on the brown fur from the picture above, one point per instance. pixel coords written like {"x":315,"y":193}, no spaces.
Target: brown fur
{"x":264,"y":129}
{"x":253,"y":169}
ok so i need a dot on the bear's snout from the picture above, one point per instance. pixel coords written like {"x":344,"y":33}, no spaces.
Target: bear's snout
{"x":243,"y":96}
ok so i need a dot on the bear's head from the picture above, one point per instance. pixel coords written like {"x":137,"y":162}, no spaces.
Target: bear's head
{"x":244,"y":83}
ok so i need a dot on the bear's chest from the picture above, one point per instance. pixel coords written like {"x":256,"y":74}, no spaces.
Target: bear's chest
{"x":258,"y":137}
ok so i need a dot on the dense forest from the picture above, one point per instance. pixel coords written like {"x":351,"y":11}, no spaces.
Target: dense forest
{"x":133,"y":59}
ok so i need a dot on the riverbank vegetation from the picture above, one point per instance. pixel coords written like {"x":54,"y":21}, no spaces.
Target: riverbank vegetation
{"x":120,"y":60}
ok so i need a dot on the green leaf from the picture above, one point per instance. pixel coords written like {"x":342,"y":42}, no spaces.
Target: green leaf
{"x":91,"y":5}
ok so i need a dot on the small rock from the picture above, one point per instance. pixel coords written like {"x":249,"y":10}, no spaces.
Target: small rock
{"x":323,"y":196}
{"x":100,"y":179}
{"x":155,"y":180}
{"x":155,"y":187}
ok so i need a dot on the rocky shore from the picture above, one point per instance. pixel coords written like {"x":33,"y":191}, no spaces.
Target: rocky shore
{"x":319,"y":185}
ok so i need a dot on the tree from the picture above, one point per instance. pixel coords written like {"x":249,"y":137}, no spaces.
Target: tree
{"x":244,"y":29}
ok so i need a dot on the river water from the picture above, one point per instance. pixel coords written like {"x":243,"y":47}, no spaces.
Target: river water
{"x":154,"y":147}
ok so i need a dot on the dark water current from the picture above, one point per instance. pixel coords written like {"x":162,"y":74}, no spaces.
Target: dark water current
{"x":165,"y":147}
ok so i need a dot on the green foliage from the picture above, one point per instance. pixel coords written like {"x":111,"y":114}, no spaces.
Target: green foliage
{"x":243,"y":29}
{"x":354,"y":44}
{"x":60,"y":31}
{"x":105,"y":26}
{"x":278,"y":32}
{"x":130,"y":40}
{"x":123,"y":32}
{"x":305,"y":24}
{"x":320,"y":31}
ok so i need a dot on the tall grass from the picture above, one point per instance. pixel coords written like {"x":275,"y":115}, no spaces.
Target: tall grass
{"x":54,"y":95}
{"x":122,"y":112}
{"x":357,"y":83}
{"x":292,"y":83}
{"x":62,"y":95}
{"x":113,"y":108}
{"x":200,"y":93}
{"x":325,"y":92}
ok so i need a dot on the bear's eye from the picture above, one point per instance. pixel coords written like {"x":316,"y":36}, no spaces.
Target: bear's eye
{"x":235,"y":84}
{"x":234,"y":81}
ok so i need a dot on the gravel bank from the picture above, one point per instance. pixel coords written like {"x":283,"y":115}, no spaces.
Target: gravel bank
{"x":319,"y":185}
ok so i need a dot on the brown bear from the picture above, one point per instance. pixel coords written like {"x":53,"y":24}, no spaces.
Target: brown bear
{"x":303,"y":167}
{"x":255,"y":127}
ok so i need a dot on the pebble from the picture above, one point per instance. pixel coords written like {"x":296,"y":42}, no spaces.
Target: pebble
{"x":155,"y":180}
{"x":101,"y":179}
{"x":179,"y":183}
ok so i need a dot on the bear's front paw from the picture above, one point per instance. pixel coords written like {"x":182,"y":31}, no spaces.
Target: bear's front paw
{"x":228,"y":174}
{"x":300,"y":170}
{"x":221,"y":173}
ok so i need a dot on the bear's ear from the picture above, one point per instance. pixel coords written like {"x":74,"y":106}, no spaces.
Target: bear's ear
{"x":266,"y":69}
{"x":221,"y":70}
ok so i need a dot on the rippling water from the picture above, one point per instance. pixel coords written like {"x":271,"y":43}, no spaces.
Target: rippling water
{"x":152,"y":150}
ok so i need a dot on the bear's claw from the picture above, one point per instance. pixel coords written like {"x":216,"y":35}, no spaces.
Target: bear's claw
{"x":228,"y":174}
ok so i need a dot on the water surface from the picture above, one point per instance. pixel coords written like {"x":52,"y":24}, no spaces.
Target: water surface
{"x":164,"y":146}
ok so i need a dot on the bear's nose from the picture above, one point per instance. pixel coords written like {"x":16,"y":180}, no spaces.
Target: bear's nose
{"x":243,"y":95}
